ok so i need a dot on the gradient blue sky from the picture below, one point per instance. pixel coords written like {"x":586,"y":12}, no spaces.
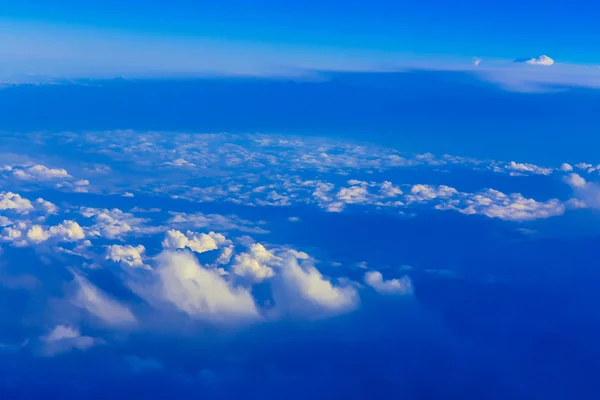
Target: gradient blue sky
{"x":183,"y":36}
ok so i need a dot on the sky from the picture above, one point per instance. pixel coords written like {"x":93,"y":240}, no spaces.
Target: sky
{"x":108,"y":38}
{"x":269,"y":200}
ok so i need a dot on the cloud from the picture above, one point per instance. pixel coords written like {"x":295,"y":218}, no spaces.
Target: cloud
{"x":587,"y":192}
{"x":566,"y":167}
{"x":40,"y":172}
{"x":180,"y":162}
{"x":197,"y":242}
{"x":116,"y":224}
{"x":541,"y":60}
{"x":100,"y":304}
{"x":495,"y":204}
{"x":14,"y":202}
{"x":476,"y":61}
{"x":392,"y":286}
{"x":253,"y":264}
{"x":63,"y":339}
{"x":131,"y":256}
{"x":304,"y":291}
{"x":524,"y":167}
{"x":199,"y":292}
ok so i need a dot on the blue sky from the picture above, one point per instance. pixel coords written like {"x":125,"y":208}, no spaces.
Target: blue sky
{"x":315,"y":200}
{"x":75,"y":39}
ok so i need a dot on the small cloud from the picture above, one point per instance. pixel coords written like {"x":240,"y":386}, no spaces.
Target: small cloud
{"x":541,"y":60}
{"x":294,"y":219}
{"x":476,"y":61}
{"x":392,"y":286}
{"x":566,"y":167}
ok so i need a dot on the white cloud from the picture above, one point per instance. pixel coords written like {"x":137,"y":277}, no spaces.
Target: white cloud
{"x":180,"y":162}
{"x":566,"y":167}
{"x":304,"y":291}
{"x":495,"y":204}
{"x":476,"y":61}
{"x":541,"y":60}
{"x":14,"y":202}
{"x":100,"y":304}
{"x":40,"y":172}
{"x":253,"y":265}
{"x":392,"y":286}
{"x":198,"y":242}
{"x":575,"y":181}
{"x":524,"y":167}
{"x":63,"y":339}
{"x":428,"y":192}
{"x":131,"y":256}
{"x":588,"y":192}
{"x":200,"y":292}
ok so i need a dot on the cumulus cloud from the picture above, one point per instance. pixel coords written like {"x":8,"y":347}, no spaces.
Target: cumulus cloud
{"x":304,"y":291}
{"x":13,"y":201}
{"x":524,"y":167}
{"x":100,"y":304}
{"x":541,"y":60}
{"x":495,"y":204}
{"x":428,"y":192}
{"x":197,"y":291}
{"x":197,"y":242}
{"x":392,"y":286}
{"x":131,"y":256}
{"x":566,"y":167}
{"x":40,"y":172}
{"x":253,"y":265}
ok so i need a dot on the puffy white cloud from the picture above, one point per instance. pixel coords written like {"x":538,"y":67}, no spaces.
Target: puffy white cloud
{"x":575,"y":181}
{"x":40,"y":172}
{"x":63,"y":339}
{"x":200,"y":292}
{"x":566,"y":167}
{"x":304,"y":291}
{"x":198,"y":242}
{"x":131,"y":256}
{"x":388,"y":189}
{"x":67,"y":231}
{"x":14,"y":202}
{"x":541,"y":60}
{"x":100,"y":304}
{"x":253,"y":265}
{"x":495,"y":204}
{"x":532,"y":168}
{"x":428,"y":192}
{"x":392,"y":286}
{"x":225,"y":256}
